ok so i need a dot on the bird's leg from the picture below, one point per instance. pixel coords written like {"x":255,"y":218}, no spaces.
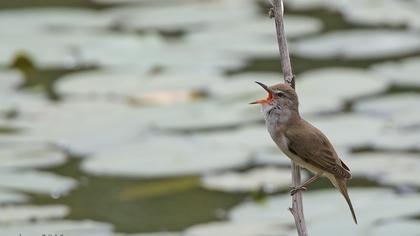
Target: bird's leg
{"x":302,"y":187}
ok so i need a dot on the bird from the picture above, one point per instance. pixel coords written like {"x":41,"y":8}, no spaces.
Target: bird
{"x":303,"y":143}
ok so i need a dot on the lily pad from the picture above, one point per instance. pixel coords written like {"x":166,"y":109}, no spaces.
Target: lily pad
{"x":257,"y":139}
{"x":240,"y":46}
{"x":206,"y":116}
{"x":79,"y":126}
{"x":313,"y":4}
{"x":128,"y":84}
{"x":390,"y":105}
{"x":359,"y":130}
{"x":237,"y":228}
{"x":408,"y":227}
{"x":403,"y":73}
{"x":271,"y":156}
{"x":7,"y":197}
{"x":377,"y":13}
{"x":295,"y":26}
{"x":13,"y":214}
{"x":200,"y":14}
{"x":23,"y":156}
{"x":390,"y":168}
{"x":181,"y":156}
{"x":59,"y":53}
{"x":254,"y":137}
{"x":151,"y":234}
{"x":334,"y":217}
{"x":9,"y":83}
{"x":79,"y":49}
{"x":369,"y":12}
{"x":401,"y":140}
{"x":64,"y":227}
{"x":241,"y":87}
{"x":344,"y":84}
{"x":101,"y":83}
{"x":52,"y":19}
{"x":36,"y":182}
{"x":85,"y":127}
{"x":397,"y":109}
{"x":251,"y":39}
{"x":199,"y":154}
{"x":358,"y":44}
{"x":269,"y":179}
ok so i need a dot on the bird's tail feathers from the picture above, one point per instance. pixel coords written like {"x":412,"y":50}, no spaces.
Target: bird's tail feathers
{"x":342,"y":186}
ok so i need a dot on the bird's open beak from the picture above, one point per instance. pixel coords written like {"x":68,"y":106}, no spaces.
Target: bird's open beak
{"x":269,"y":97}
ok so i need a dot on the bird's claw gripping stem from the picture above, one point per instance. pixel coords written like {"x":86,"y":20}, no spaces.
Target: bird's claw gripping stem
{"x":271,"y":12}
{"x":294,"y":190}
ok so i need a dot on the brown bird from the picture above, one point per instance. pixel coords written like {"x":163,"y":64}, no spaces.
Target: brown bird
{"x":304,"y":144}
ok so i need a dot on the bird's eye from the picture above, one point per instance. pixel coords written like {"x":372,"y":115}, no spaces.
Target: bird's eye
{"x":280,"y":94}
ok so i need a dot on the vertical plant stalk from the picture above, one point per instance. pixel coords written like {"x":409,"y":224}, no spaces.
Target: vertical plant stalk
{"x":297,"y":206}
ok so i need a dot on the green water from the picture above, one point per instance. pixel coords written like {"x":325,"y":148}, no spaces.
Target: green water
{"x":139,"y":205}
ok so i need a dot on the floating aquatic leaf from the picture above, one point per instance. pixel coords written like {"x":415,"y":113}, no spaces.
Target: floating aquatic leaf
{"x":237,"y":228}
{"x":52,"y":19}
{"x":397,"y":109}
{"x":272,"y":156}
{"x":268,"y":179}
{"x":36,"y":182}
{"x":358,"y":44}
{"x":390,"y":168}
{"x":13,"y":214}
{"x":255,"y":38}
{"x":200,"y":14}
{"x":206,"y":115}
{"x":401,"y":73}
{"x":26,"y":155}
{"x":7,"y":196}
{"x":369,"y":12}
{"x":80,"y":49}
{"x":254,"y":137}
{"x":80,"y":126}
{"x":150,"y":234}
{"x":372,"y":207}
{"x":87,"y":127}
{"x":10,"y":81}
{"x":408,"y":227}
{"x":142,"y":87}
{"x":60,"y":227}
{"x":181,"y":156}
{"x":344,"y":84}
{"x":395,"y":139}
{"x":101,"y":83}
{"x":241,"y":87}
{"x":351,"y":130}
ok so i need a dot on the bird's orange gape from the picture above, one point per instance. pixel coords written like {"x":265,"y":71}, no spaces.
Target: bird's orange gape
{"x":269,"y":97}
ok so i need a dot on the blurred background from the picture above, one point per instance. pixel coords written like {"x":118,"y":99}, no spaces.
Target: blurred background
{"x":131,"y":117}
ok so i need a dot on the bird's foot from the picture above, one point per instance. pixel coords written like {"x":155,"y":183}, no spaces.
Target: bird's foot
{"x":271,"y":12}
{"x":294,"y":190}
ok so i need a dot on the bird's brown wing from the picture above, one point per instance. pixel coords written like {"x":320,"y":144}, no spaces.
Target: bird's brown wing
{"x":314,"y":148}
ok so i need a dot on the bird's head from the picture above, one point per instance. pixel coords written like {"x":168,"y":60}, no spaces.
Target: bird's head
{"x":281,"y":97}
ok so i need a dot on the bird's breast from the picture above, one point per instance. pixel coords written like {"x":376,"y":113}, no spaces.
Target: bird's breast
{"x":282,"y":143}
